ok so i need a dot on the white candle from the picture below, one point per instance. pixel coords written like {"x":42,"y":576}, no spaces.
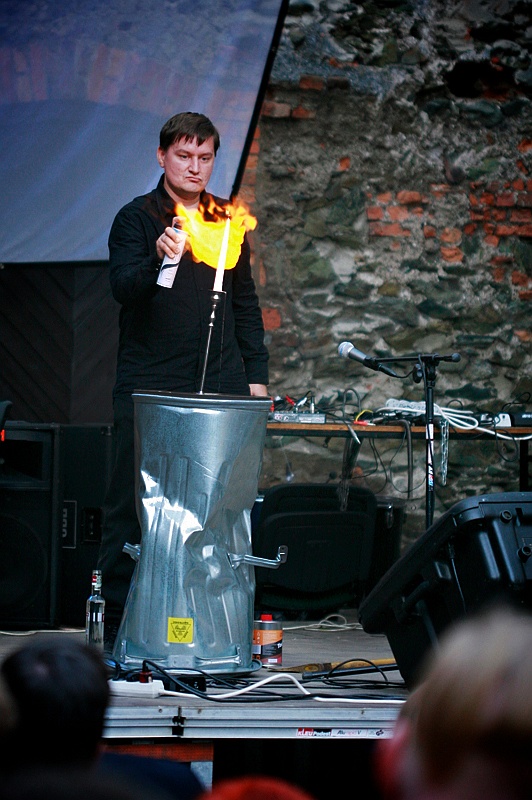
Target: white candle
{"x":218,"y":280}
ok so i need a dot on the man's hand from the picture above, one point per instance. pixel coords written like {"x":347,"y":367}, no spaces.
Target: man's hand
{"x":258,"y":390}
{"x":169,"y":243}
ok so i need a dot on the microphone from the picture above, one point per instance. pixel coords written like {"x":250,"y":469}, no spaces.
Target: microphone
{"x":453,"y":357}
{"x":348,"y":350}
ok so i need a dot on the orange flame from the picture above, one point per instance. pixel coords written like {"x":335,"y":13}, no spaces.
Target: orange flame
{"x":205,"y":236}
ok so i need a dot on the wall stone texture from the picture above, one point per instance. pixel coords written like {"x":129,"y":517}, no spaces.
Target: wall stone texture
{"x":391,"y":174}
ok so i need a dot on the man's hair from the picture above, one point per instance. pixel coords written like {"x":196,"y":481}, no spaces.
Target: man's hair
{"x":189,"y":126}
{"x":476,"y":697}
{"x":61,"y":692}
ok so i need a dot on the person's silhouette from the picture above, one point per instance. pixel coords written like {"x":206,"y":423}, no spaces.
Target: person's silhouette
{"x":59,"y":690}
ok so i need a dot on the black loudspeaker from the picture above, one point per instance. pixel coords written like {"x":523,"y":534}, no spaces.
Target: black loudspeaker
{"x":391,"y":512}
{"x":479,"y":552}
{"x":87,"y":453}
{"x":389,"y":519}
{"x":29,"y":525}
{"x":329,"y":550}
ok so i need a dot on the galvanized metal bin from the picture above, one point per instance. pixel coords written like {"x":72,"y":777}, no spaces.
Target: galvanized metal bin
{"x":198,"y":460}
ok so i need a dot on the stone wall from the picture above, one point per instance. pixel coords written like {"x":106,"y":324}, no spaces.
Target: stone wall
{"x":391,"y":175}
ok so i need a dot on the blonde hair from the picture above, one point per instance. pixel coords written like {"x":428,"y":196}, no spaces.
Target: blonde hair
{"x":476,"y":696}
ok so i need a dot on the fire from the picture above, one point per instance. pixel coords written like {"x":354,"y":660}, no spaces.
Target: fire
{"x":205,"y":236}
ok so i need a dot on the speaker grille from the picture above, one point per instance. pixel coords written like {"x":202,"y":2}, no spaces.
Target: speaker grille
{"x":24,"y":565}
{"x":29,"y":525}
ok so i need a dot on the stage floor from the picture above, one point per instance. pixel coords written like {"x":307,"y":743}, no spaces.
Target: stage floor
{"x":327,"y":686}
{"x":281,"y":720}
{"x":288,"y":721}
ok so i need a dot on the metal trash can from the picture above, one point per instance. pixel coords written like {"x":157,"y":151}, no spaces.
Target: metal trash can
{"x":198,"y":461}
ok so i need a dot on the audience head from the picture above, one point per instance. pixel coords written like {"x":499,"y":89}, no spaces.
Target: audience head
{"x":466,"y":730}
{"x":256,"y":787}
{"x":60,"y":690}
{"x":71,"y":783}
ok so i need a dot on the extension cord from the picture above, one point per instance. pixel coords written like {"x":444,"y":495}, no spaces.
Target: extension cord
{"x":304,"y":417}
{"x":497,"y":421}
{"x":406,"y":405}
{"x":136,"y":689}
{"x":464,"y":420}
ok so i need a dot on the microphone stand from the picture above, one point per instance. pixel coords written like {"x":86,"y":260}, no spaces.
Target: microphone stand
{"x":425,"y":369}
{"x":216,"y":297}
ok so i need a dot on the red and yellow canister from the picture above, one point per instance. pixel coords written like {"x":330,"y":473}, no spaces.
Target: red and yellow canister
{"x":268,"y":640}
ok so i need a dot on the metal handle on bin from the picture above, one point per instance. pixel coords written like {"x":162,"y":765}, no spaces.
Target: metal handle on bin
{"x":132,"y":550}
{"x":270,"y":563}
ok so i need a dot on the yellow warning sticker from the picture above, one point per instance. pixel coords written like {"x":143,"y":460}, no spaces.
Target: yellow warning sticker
{"x":180,"y":630}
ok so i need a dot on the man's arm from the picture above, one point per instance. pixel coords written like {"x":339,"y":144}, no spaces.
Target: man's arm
{"x":133,"y":259}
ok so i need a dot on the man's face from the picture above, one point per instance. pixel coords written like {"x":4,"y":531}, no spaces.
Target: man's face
{"x":188,"y":167}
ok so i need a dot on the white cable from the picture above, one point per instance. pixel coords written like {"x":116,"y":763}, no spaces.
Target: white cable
{"x":327,"y":623}
{"x":497,"y":432}
{"x":252,"y":686}
{"x":391,"y":701}
{"x":465,"y":420}
{"x":43,"y":630}
{"x":156,"y":689}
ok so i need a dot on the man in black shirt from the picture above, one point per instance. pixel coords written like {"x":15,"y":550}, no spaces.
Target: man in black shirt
{"x":164,"y":329}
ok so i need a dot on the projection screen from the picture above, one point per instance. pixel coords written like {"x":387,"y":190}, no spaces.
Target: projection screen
{"x":84,"y":90}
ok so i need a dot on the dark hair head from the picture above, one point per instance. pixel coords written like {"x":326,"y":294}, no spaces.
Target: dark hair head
{"x":60,"y":689}
{"x":188,"y":126}
{"x":74,"y":783}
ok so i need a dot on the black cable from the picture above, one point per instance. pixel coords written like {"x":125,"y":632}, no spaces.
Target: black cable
{"x":379,"y":460}
{"x":259,"y":695}
{"x":344,"y":401}
{"x":502,"y":443}
{"x":452,"y":552}
{"x":406,"y":425}
{"x":522,"y":400}
{"x":374,"y":666}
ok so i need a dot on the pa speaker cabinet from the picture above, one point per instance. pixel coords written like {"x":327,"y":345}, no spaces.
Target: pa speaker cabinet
{"x":478,"y":552}
{"x":87,"y":453}
{"x":29,"y":525}
{"x":391,"y":512}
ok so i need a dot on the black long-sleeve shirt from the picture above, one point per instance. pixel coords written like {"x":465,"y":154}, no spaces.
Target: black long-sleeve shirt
{"x":163,"y":331}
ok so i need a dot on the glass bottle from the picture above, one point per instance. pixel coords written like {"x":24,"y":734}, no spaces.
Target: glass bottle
{"x":95,"y":612}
